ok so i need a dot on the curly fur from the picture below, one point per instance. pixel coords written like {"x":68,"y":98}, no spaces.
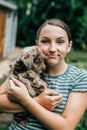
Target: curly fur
{"x":28,"y":69}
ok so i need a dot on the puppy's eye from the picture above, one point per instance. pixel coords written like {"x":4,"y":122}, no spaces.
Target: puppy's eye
{"x":26,"y":56}
{"x":36,"y":61}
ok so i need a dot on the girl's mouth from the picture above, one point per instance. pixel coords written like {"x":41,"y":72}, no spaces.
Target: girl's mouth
{"x":53,"y":56}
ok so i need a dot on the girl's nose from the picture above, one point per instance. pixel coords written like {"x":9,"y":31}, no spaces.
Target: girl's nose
{"x":52,"y":47}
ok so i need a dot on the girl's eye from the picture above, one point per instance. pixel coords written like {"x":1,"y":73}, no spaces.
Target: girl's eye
{"x":60,"y":41}
{"x":44,"y":41}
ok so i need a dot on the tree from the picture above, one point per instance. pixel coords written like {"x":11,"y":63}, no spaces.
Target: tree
{"x":32,"y":13}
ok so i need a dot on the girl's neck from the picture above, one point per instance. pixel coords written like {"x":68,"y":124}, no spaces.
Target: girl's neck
{"x":57,"y":70}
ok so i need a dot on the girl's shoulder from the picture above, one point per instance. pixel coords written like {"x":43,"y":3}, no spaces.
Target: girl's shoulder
{"x":76,"y":71}
{"x":79,"y":79}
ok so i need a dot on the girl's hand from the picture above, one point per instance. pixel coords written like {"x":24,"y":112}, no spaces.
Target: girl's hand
{"x":49,"y":99}
{"x":17,"y":90}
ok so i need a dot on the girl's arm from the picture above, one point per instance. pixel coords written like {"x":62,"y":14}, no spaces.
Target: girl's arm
{"x":6,"y":106}
{"x":9,"y":107}
{"x":75,"y":108}
{"x":71,"y":116}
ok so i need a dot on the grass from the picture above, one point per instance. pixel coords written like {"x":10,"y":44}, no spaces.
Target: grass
{"x":78,"y":56}
{"x":3,"y":127}
{"x":78,"y":59}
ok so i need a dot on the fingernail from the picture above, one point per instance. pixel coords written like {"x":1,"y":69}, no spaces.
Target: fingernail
{"x":56,"y":94}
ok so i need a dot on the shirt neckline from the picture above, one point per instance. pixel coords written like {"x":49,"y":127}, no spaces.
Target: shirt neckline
{"x":64,"y":74}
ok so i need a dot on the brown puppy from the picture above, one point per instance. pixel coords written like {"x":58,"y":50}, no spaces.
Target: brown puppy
{"x":28,"y":69}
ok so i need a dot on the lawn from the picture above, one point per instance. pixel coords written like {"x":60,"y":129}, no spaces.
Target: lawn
{"x":78,"y":59}
{"x":3,"y":127}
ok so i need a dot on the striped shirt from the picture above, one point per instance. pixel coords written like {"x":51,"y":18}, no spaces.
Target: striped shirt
{"x":73,"y":80}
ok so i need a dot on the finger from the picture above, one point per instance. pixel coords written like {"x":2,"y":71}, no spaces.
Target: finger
{"x":8,"y":88}
{"x":58,"y":97}
{"x":17,"y":82}
{"x":50,"y":92}
{"x":55,"y":98}
{"x":11,"y":84}
{"x":56,"y":103}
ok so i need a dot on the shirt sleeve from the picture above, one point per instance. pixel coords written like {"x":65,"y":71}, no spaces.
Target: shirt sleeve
{"x":80,"y":83}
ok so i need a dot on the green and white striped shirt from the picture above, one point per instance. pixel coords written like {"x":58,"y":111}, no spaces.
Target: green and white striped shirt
{"x":73,"y":80}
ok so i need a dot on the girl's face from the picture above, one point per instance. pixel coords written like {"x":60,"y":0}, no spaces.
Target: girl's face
{"x":54,"y":43}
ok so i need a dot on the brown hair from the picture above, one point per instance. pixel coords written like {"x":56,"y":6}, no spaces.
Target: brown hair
{"x":55,"y":22}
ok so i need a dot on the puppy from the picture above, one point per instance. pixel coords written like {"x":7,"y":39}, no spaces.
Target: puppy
{"x":28,"y":69}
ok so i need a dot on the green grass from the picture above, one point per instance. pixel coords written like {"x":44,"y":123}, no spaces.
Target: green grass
{"x":83,"y":123}
{"x":79,"y":56}
{"x":78,"y":59}
{"x":4,"y":128}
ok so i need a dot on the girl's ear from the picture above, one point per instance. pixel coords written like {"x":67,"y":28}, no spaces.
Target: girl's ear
{"x":70,"y":46}
{"x":37,"y":42}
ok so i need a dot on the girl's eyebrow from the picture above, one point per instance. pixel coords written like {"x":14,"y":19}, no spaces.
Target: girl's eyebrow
{"x":48,"y":37}
{"x":60,"y":37}
{"x":45,"y":37}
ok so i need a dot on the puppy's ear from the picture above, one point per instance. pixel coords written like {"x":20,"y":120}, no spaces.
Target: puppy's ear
{"x":40,"y":53}
{"x":19,"y":67}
